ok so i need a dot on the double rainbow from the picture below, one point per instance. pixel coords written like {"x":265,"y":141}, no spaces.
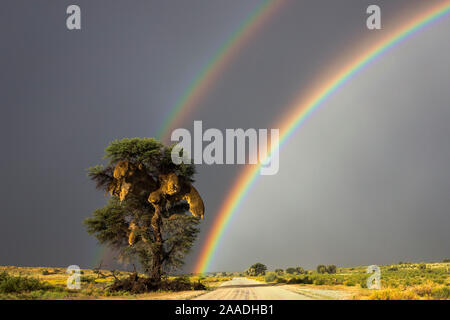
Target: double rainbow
{"x":303,"y":108}
{"x":218,"y":62}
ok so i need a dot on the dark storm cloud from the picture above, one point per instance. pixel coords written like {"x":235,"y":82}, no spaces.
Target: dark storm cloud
{"x":66,"y":95}
{"x":366,"y":180}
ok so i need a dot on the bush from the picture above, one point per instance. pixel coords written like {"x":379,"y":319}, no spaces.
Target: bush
{"x":198,"y":286}
{"x":363,"y":283}
{"x":259,"y":269}
{"x":393,"y":269}
{"x":331,"y":268}
{"x":291,"y":270}
{"x":87,"y":279}
{"x":319,"y":282}
{"x":293,"y":281}
{"x":270,"y":277}
{"x":422,"y":266}
{"x":11,"y":284}
{"x":300,"y":270}
{"x":446,"y":260}
{"x":423,"y":290}
{"x":441,"y":293}
{"x":135,"y":284}
{"x":321,"y":268}
{"x":393,"y":294}
{"x":279,"y":271}
{"x":281,"y":280}
{"x":45,"y":273}
{"x":305,"y":280}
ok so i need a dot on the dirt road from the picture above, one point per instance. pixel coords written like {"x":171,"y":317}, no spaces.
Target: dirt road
{"x":246,"y":289}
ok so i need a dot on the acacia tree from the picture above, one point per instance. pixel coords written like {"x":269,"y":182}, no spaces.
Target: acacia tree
{"x":279,"y":271}
{"x":300,"y":270}
{"x":146,"y":219}
{"x":321,"y":268}
{"x":257,"y":269}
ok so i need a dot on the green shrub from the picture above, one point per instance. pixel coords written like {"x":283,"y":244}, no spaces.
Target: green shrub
{"x":393,"y":269}
{"x":45,"y":273}
{"x":363,"y":283}
{"x":441,"y":293}
{"x":321,"y":268}
{"x":136,"y":285}
{"x":293,"y":281}
{"x":270,"y":277}
{"x":422,"y":266}
{"x":281,"y":280}
{"x":301,"y":279}
{"x":258,"y":269}
{"x":331,"y":269}
{"x":319,"y":282}
{"x":291,"y":270}
{"x":300,"y":270}
{"x":349,"y":283}
{"x":307,"y":280}
{"x":87,"y":279}
{"x":279,"y":271}
{"x":11,"y":284}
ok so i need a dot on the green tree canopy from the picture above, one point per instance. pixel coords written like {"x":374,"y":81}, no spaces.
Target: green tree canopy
{"x":259,"y":269}
{"x":279,"y":271}
{"x":331,"y":268}
{"x":321,"y":268}
{"x":300,"y":270}
{"x":146,"y":218}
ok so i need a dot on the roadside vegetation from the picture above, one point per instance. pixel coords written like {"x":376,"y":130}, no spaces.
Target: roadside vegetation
{"x":51,"y":283}
{"x":401,"y":281}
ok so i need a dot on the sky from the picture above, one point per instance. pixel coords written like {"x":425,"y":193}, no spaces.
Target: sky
{"x":364,"y":181}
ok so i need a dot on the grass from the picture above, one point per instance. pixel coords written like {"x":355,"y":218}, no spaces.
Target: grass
{"x":51,"y":283}
{"x":398,"y":282}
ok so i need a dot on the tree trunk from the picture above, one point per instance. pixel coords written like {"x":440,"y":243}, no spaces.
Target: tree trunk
{"x":156,"y":272}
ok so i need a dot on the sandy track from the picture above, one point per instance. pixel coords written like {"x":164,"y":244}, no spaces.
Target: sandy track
{"x":246,"y":289}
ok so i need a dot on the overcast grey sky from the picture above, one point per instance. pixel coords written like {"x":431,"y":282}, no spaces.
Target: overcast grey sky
{"x":365,"y":181}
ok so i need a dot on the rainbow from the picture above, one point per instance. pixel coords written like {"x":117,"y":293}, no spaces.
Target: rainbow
{"x":303,"y":108}
{"x":217,"y":63}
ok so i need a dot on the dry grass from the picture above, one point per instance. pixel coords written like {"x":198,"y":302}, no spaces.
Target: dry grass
{"x":418,"y":281}
{"x":93,"y":286}
{"x":399,"y":282}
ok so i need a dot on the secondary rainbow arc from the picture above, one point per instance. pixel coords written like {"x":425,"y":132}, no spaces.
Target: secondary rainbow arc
{"x":215,"y":66}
